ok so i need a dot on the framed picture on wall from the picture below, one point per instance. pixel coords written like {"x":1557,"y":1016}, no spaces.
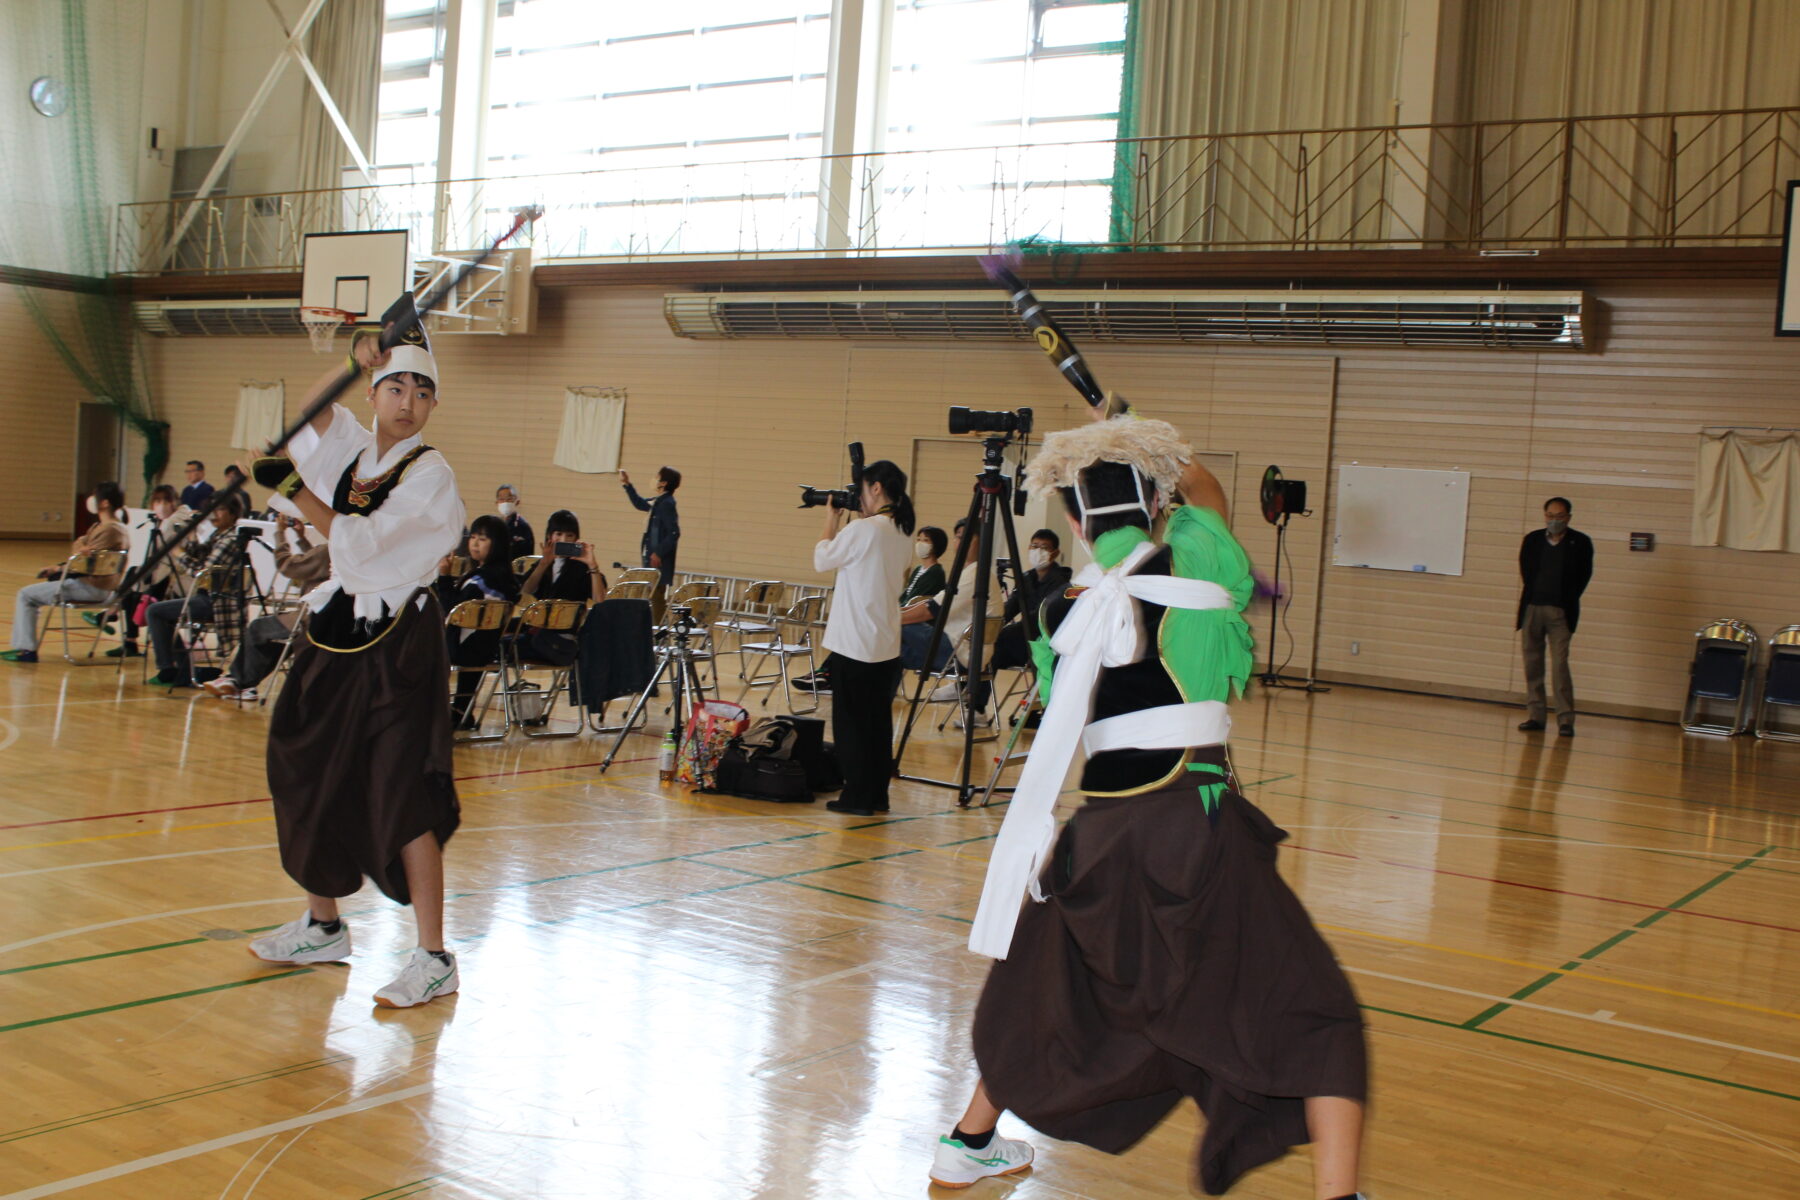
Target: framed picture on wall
{"x":1787,"y":300}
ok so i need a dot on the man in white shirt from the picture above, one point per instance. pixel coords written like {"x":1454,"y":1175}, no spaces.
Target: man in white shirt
{"x":862,"y":634}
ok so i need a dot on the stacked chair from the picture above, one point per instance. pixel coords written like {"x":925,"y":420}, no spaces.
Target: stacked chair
{"x":1778,"y":712}
{"x":1721,"y":677}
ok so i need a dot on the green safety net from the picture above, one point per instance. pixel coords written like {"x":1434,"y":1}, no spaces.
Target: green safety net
{"x":61,"y":179}
{"x":1124,"y":180}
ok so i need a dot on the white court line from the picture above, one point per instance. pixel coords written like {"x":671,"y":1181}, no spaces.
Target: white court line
{"x":1567,"y":1012}
{"x":220,"y":1143}
{"x":290,"y":898}
{"x":142,"y":858}
{"x":12,"y":734}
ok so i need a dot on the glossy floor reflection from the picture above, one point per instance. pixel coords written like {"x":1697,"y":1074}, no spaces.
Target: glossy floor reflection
{"x":1581,"y":964}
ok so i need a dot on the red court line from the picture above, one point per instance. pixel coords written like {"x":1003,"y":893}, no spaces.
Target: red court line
{"x":1538,"y":887}
{"x":144,"y":812}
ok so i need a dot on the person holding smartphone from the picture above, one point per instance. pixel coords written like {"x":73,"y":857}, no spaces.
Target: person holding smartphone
{"x":567,"y":571}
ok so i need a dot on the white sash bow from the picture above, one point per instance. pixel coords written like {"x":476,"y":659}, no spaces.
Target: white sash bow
{"x":1103,"y":629}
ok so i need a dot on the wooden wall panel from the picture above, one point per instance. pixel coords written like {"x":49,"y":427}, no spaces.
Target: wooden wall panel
{"x":39,"y":409}
{"x":1613,"y":431}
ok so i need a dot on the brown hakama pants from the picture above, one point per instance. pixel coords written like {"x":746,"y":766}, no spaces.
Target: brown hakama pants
{"x":359,"y":753}
{"x":1169,"y":960}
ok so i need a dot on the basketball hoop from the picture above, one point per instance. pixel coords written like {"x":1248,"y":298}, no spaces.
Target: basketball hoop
{"x":322,"y":325}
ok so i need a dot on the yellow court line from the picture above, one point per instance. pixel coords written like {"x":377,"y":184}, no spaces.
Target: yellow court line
{"x":1514,"y":962}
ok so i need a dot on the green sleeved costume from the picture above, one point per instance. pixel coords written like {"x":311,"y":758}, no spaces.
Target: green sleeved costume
{"x":1208,"y":652}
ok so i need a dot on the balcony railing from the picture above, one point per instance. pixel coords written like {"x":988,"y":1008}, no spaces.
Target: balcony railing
{"x":1660,"y":179}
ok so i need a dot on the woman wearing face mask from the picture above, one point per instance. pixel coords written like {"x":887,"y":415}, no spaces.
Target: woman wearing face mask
{"x":927,"y":579}
{"x":108,"y":533}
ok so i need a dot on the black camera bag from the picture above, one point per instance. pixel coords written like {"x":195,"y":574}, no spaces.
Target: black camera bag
{"x":759,"y":764}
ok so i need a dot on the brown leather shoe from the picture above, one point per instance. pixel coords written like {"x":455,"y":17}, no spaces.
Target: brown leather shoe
{"x":1531,"y":726}
{"x":1566,"y":730}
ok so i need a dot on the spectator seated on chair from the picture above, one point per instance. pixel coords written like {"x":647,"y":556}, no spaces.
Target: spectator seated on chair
{"x":108,"y":533}
{"x":167,"y":515}
{"x":1044,"y":576}
{"x":265,"y":637}
{"x":490,"y":577}
{"x":926,"y":579}
{"x":192,"y":559}
{"x":916,"y":618}
{"x":569,"y":575}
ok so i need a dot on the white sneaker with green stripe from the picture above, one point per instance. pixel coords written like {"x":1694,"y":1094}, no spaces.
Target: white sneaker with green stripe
{"x":958,"y":1166}
{"x":423,"y":979}
{"x":300,"y":941}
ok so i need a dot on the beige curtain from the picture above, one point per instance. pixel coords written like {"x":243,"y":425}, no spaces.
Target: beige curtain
{"x":593,"y":426}
{"x":261,"y":411}
{"x":345,"y":46}
{"x":1747,"y":491}
{"x":1252,"y":66}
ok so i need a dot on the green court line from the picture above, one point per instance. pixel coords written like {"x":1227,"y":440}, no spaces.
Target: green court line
{"x":1516,"y":778}
{"x":190,"y":1093}
{"x":409,"y":1189}
{"x":94,"y":1012}
{"x":1484,"y":1016}
{"x":1627,"y":1062}
{"x":63,"y":962}
{"x":1548,"y":837}
{"x":1561,"y":816}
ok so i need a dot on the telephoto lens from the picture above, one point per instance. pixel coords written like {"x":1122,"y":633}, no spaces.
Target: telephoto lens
{"x":976,"y":420}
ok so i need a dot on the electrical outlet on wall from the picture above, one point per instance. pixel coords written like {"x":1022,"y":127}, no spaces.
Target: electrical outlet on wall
{"x":1356,"y":647}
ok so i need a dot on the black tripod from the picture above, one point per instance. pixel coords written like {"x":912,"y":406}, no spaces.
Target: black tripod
{"x":675,"y":664}
{"x":1273,"y":676}
{"x":988,"y":508}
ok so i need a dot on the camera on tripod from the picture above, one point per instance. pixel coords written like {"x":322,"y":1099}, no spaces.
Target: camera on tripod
{"x":849,"y":498}
{"x":975,"y":420}
{"x":682,"y":617}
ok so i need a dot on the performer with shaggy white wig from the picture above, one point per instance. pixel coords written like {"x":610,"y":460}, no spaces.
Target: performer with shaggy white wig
{"x":359,"y":742}
{"x":1150,"y":951}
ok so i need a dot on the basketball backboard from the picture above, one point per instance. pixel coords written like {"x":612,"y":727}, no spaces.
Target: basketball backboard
{"x":361,"y":272}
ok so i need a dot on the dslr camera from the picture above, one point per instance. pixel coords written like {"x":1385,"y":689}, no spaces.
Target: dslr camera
{"x":975,"y":420}
{"x":849,"y":498}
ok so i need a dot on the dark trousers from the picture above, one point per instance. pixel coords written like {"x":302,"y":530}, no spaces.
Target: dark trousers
{"x":862,"y":727}
{"x":1009,"y":651}
{"x":161,"y":618}
{"x":264,"y":640}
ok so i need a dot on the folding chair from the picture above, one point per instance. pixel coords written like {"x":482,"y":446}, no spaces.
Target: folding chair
{"x":99,"y":563}
{"x":954,"y":673}
{"x":226,"y":586}
{"x":794,"y":636}
{"x":705,"y":610}
{"x":754,"y":617}
{"x":523,"y":565}
{"x":266,"y":688}
{"x":637,"y":590}
{"x":1724,"y":662}
{"x":541,"y":616}
{"x":479,"y":616}
{"x":1781,"y":686}
{"x":649,"y":575}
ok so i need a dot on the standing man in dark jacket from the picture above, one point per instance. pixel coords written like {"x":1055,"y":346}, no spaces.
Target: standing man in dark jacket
{"x":1555,"y":564}
{"x":664,"y":530}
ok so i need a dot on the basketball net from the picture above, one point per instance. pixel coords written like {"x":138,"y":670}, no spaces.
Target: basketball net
{"x":322,"y":325}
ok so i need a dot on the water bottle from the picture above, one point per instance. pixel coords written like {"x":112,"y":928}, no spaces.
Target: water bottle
{"x":665,"y":760}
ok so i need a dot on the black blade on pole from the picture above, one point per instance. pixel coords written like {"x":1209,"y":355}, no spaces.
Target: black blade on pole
{"x":1049,"y":336}
{"x":390,"y":337}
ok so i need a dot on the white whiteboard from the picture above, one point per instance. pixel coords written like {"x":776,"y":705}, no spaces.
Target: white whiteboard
{"x":1397,"y":519}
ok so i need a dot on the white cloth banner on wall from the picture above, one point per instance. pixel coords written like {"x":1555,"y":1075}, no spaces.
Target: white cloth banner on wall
{"x":593,"y":427}
{"x":261,"y":413}
{"x":1747,"y":490}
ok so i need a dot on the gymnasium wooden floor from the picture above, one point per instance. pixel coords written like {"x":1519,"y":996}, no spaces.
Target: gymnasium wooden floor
{"x":1581,"y":964}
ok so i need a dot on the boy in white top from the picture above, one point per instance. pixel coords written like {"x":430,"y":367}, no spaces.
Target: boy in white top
{"x":863,"y":632}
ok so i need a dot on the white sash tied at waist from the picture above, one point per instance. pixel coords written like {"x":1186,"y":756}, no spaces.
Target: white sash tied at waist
{"x":1102,"y":629}
{"x":1168,"y":727}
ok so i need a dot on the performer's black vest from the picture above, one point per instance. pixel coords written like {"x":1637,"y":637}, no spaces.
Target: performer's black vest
{"x":336,"y":627}
{"x":1128,"y":689}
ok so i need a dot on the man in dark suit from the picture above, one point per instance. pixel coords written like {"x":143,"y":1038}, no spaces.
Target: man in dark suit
{"x":198,"y":491}
{"x":1555,"y":564}
{"x":663,"y":532}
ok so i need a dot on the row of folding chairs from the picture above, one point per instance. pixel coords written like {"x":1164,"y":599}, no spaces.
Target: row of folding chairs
{"x":1733,"y":689}
{"x":508,"y":673}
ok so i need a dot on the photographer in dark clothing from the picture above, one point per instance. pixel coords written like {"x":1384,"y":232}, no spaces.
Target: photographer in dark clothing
{"x":1555,"y":565}
{"x":663,"y":532}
